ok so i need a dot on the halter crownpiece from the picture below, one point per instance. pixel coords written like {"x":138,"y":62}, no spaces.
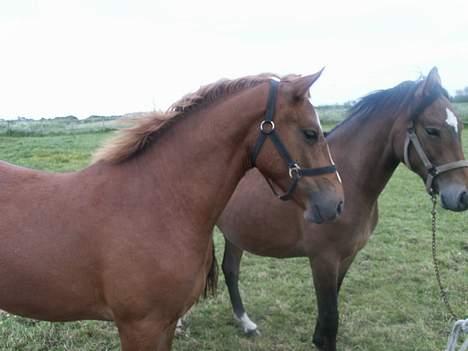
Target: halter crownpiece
{"x":411,"y":138}
{"x":267,"y":130}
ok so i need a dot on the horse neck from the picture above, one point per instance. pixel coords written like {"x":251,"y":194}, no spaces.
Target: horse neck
{"x":363,"y":150}
{"x":197,"y":163}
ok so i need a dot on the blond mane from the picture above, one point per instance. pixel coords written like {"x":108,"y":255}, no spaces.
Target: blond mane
{"x":132,"y":140}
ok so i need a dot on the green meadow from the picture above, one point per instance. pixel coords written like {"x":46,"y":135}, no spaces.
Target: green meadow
{"x":389,"y":300}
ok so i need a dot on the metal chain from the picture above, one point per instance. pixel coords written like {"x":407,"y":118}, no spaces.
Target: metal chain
{"x":443,"y":292}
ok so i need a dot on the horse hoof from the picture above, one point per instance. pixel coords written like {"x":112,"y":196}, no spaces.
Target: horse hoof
{"x":179,"y":332}
{"x":249,"y":327}
{"x":321,"y":346}
{"x":318,"y":343}
{"x":251,"y":333}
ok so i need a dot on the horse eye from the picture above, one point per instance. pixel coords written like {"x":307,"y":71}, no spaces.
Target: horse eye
{"x":432,"y":131}
{"x":310,"y":134}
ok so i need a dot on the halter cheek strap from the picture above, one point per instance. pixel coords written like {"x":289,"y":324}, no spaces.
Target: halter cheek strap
{"x":411,"y":138}
{"x":267,"y":130}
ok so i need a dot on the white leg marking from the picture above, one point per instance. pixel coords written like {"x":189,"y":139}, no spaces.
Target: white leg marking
{"x":452,"y":120}
{"x":179,"y":327}
{"x":247,"y":325}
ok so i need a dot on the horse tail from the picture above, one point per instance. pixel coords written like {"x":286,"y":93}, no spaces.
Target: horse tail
{"x":211,"y":285}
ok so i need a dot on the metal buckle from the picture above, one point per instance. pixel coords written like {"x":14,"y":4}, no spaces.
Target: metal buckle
{"x":295,"y":171}
{"x":433,"y":171}
{"x":271,"y":125}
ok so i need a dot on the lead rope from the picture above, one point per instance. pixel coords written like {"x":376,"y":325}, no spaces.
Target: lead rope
{"x":460,"y":325}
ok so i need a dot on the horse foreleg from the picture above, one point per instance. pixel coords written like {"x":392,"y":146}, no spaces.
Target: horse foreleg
{"x":325,"y":274}
{"x":166,"y":339}
{"x":344,"y":266}
{"x":231,"y":264}
{"x":145,"y":335}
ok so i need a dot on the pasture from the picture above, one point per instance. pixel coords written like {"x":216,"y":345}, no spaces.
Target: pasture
{"x":389,"y":300}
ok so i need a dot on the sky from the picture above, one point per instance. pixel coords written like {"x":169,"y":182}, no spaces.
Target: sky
{"x":111,"y":57}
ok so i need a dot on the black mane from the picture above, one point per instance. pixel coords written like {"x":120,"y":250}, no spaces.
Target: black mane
{"x":391,"y":101}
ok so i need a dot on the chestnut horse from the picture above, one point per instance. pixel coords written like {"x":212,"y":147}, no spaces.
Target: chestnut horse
{"x":413,"y":121}
{"x":129,"y":239}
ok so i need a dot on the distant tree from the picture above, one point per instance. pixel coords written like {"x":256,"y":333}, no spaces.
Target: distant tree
{"x":69,"y":118}
{"x":461,"y":95}
{"x":23,"y":119}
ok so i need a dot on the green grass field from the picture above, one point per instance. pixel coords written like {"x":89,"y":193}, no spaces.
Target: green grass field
{"x":49,"y":127}
{"x":389,"y":301}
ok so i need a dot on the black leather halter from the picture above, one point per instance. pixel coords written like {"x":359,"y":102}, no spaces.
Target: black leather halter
{"x":411,"y":138}
{"x":267,"y":129}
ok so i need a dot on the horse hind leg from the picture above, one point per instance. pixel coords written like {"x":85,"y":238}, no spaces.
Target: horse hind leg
{"x":180,"y":328}
{"x":231,"y":264}
{"x":182,"y":324}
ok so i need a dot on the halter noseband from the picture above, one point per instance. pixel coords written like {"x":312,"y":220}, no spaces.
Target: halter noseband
{"x":267,"y":129}
{"x":411,"y":138}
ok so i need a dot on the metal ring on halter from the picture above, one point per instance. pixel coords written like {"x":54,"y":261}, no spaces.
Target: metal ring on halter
{"x":295,"y":171}
{"x":269,"y":131}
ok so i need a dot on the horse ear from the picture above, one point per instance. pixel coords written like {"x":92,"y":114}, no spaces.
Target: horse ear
{"x":428,"y":85}
{"x":301,"y":86}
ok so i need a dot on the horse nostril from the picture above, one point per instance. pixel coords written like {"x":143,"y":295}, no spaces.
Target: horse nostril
{"x":339,"y":208}
{"x":463,"y":200}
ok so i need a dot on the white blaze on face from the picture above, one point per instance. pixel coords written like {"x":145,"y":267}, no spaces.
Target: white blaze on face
{"x":317,"y":114}
{"x":333,"y":163}
{"x":318,"y":120}
{"x":452,"y":120}
{"x":328,"y":149}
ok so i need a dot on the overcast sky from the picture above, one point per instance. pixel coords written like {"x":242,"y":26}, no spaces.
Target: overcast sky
{"x":107,"y":57}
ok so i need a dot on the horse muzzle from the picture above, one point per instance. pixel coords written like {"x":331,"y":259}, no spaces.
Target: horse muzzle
{"x":323,"y":208}
{"x":454,"y":198}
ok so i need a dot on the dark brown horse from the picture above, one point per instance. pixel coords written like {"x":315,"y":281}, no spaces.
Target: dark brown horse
{"x":413,"y":121}
{"x":129,"y":238}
